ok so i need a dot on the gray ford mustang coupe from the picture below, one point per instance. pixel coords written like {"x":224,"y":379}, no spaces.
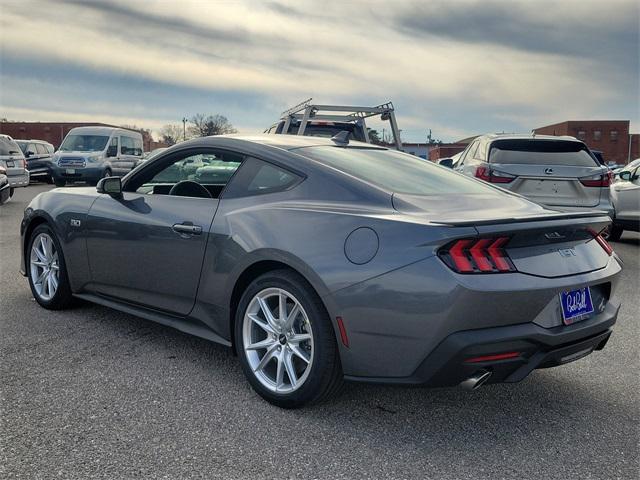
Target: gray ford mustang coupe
{"x":319,"y":260}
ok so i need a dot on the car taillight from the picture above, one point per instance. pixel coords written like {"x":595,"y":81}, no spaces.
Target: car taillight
{"x":492,"y":176}
{"x":603,"y":180}
{"x":24,"y":163}
{"x":478,"y":255}
{"x":603,"y":243}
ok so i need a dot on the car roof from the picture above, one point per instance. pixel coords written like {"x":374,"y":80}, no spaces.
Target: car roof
{"x":102,"y":130}
{"x":31,"y":141}
{"x":290,"y":142}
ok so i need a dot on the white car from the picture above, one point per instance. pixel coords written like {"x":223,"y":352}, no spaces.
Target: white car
{"x":625,"y":196}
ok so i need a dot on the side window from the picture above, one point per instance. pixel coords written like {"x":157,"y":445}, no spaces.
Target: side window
{"x":127,"y":146}
{"x":50,"y":149}
{"x":481,"y":153}
{"x":257,"y":177}
{"x":32,"y":148}
{"x":41,"y":149}
{"x":473,"y":150}
{"x":137,"y":146}
{"x":211,"y":170}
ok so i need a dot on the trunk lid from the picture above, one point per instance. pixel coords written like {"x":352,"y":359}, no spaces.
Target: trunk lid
{"x":555,"y":185}
{"x":542,"y":242}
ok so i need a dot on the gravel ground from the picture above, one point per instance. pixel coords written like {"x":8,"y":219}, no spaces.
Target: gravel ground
{"x":93,"y":393}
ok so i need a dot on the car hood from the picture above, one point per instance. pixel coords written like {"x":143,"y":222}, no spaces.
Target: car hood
{"x":471,"y":208}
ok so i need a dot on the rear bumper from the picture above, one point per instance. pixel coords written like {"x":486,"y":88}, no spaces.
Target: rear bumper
{"x":538,"y":347}
{"x":425,"y":308}
{"x":21,"y":180}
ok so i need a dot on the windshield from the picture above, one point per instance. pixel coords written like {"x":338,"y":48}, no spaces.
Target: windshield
{"x":8,"y":146}
{"x":84,"y":143}
{"x":541,"y":152}
{"x":395,"y":171}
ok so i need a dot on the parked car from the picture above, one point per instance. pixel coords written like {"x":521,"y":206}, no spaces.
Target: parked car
{"x":628,"y":167}
{"x":319,"y":260}
{"x":559,"y":172}
{"x":13,"y":161}
{"x":38,"y":155}
{"x":625,"y":194}
{"x":88,"y":154}
{"x":5,"y":188}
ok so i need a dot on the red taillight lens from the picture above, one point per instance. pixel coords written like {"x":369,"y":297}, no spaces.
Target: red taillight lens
{"x":603,"y":180}
{"x":604,"y":244}
{"x":483,"y":255}
{"x":493,"y":358}
{"x":24,"y":163}
{"x":492,"y":176}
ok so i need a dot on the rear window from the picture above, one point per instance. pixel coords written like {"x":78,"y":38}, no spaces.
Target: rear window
{"x":541,"y":152}
{"x":8,"y":147}
{"x":395,"y":171}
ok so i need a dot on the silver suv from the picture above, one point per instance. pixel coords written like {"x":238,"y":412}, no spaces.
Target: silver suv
{"x":13,"y":161}
{"x":559,"y":172}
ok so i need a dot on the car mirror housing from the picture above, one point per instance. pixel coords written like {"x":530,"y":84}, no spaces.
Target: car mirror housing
{"x":112,"y":151}
{"x":625,"y":176}
{"x":446,"y":162}
{"x":111,"y":186}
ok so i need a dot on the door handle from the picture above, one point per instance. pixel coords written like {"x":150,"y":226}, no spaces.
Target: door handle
{"x":187,"y":228}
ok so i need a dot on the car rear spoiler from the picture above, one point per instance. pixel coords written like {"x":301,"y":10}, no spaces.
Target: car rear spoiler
{"x":528,"y":218}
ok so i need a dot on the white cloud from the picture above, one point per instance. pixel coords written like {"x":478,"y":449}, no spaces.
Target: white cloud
{"x":333,"y":51}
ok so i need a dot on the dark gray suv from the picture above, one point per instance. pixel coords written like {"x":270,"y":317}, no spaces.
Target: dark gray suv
{"x":38,"y":155}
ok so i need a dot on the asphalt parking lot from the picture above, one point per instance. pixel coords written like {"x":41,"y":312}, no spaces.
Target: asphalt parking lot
{"x":94,"y":393}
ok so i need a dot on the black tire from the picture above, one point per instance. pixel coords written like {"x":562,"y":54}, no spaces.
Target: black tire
{"x":48,"y":179}
{"x":615,"y":232}
{"x":11,"y":192}
{"x":59,"y":182}
{"x":62,"y":298}
{"x":325,"y":377}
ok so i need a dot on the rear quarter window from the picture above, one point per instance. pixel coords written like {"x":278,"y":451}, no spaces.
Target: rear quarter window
{"x":541,"y":152}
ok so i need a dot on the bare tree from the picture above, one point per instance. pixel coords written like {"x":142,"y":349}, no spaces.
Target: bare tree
{"x":206,"y":125}
{"x":171,"y":133}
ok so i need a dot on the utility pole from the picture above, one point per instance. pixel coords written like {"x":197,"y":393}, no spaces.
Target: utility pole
{"x":184,"y":128}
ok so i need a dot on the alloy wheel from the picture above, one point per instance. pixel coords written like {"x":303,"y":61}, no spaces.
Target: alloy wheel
{"x":44,"y":266}
{"x":278,"y":340}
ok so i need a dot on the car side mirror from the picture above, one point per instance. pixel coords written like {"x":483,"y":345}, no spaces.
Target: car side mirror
{"x":112,"y":151}
{"x":111,"y":186}
{"x":29,"y":154}
{"x":446,"y":162}
{"x":625,"y":176}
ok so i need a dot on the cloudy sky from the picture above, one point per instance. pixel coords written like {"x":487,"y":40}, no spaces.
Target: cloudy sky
{"x":457,"y":67}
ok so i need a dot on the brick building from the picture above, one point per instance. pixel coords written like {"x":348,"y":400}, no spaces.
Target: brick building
{"x":54,"y":132}
{"x":611,"y":137}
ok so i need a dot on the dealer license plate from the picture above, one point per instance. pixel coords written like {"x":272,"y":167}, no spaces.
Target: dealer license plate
{"x":576,"y":305}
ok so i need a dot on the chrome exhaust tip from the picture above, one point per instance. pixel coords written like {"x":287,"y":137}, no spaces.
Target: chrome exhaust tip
{"x":476,"y":380}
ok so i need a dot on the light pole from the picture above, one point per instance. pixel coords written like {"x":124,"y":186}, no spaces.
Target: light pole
{"x":184,"y":128}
